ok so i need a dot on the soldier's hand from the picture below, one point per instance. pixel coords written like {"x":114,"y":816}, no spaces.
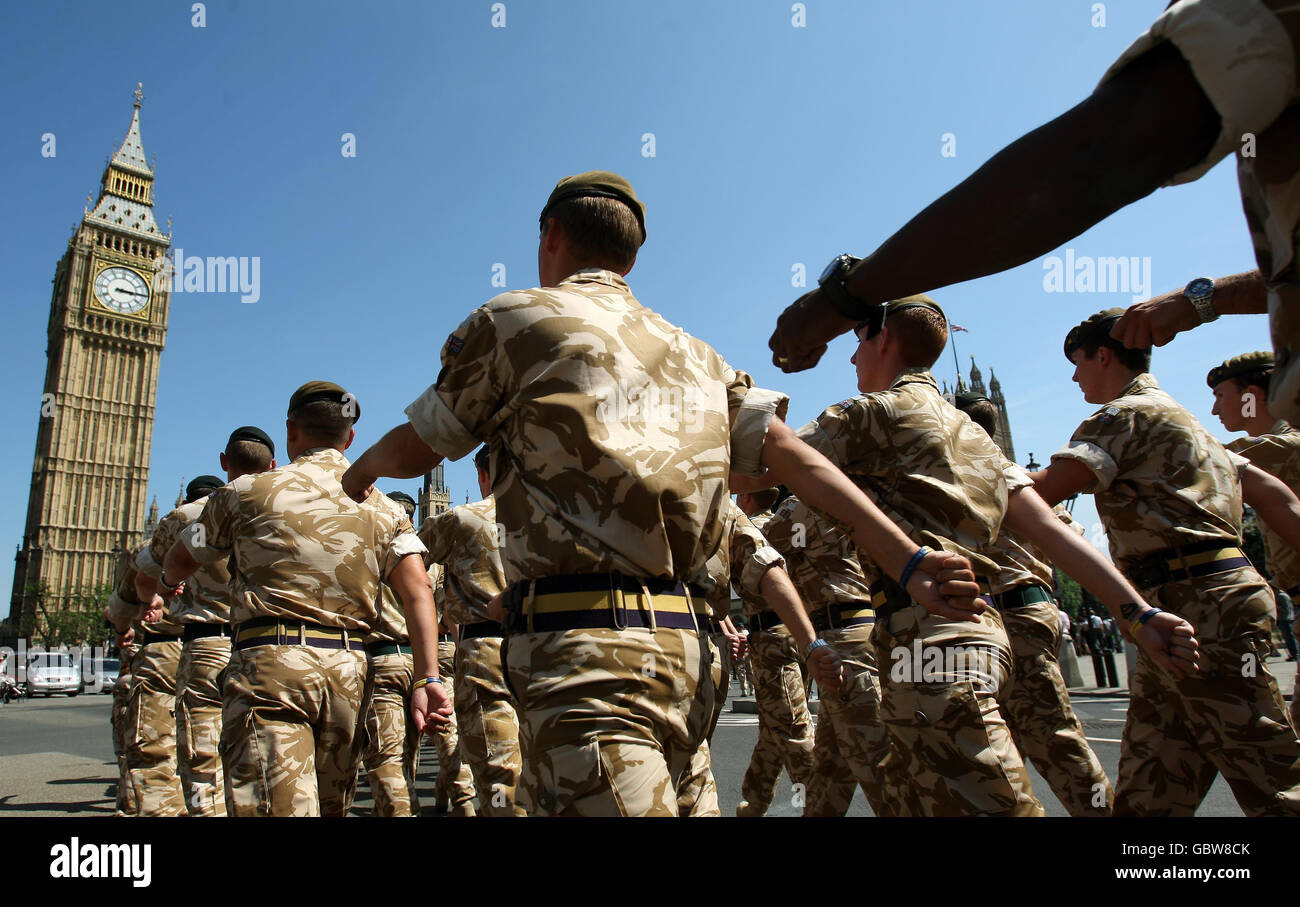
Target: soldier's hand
{"x":356,"y":486}
{"x":496,"y":608}
{"x":803,"y":330}
{"x":127,"y":637}
{"x":944,"y":584}
{"x":826,"y":667}
{"x":1171,"y":641}
{"x":431,"y":709}
{"x":1155,"y":321}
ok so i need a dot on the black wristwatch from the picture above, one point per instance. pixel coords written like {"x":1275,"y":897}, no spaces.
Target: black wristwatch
{"x":836,"y":293}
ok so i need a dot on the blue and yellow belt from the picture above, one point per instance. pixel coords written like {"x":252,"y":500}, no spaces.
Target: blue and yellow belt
{"x":603,"y":601}
{"x":1183,"y":562}
{"x":272,"y":631}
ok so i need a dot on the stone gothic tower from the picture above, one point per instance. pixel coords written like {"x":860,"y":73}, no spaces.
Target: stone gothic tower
{"x":435,"y":496}
{"x":108,"y":320}
{"x":994,"y":392}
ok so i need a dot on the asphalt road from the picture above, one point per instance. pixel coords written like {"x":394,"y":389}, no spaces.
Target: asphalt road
{"x":56,"y":758}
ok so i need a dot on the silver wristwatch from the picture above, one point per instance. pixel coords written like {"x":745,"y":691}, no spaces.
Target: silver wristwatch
{"x":1200,"y":292}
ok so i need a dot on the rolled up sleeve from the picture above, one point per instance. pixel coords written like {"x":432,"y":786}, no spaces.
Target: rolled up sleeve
{"x":1241,"y":56}
{"x":1100,"y":463}
{"x":750,"y":421}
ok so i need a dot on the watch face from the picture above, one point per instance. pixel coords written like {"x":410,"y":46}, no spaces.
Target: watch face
{"x":121,"y":290}
{"x":1201,"y":286}
{"x":831,"y":268}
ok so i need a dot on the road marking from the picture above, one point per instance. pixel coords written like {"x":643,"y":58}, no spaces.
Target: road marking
{"x":1115,"y":720}
{"x":1102,"y":740}
{"x":737,"y":720}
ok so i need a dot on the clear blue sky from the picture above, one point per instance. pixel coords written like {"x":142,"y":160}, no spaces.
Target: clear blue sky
{"x":774,"y":145}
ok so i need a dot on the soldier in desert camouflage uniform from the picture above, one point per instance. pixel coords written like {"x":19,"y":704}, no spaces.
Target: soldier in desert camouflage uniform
{"x":942,"y":670}
{"x":307,"y":563}
{"x":126,"y":649}
{"x":464,"y":541}
{"x":391,"y":745}
{"x":150,"y":718}
{"x":453,"y":789}
{"x":851,"y":743}
{"x":615,"y":434}
{"x":203,"y":609}
{"x":1273,"y":445}
{"x":1170,"y":497}
{"x":741,"y":562}
{"x":785,"y":722}
{"x":1043,"y":724}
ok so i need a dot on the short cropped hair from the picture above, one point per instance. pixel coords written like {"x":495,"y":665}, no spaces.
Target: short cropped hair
{"x":603,"y":232}
{"x":984,"y":414}
{"x":248,"y":456}
{"x":483,"y":460}
{"x":323,"y":420}
{"x":921,"y":332}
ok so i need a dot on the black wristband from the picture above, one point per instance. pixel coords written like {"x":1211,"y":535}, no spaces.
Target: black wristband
{"x":841,"y":300}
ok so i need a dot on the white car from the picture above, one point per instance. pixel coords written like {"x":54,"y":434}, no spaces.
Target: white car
{"x":53,"y":672}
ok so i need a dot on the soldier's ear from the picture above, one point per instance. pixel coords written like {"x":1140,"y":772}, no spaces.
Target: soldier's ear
{"x":352,"y":434}
{"x":628,"y":269}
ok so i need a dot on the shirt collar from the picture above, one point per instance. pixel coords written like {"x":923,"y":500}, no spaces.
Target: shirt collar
{"x":916,"y":376}
{"x":597,"y":275}
{"x":1144,"y":381}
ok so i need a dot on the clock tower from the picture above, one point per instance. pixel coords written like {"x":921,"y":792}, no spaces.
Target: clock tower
{"x":108,"y":319}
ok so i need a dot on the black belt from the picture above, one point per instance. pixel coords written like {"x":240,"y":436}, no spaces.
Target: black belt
{"x":377,"y":649}
{"x":845,"y":614}
{"x":1176,"y":564}
{"x":1021,"y":596}
{"x":151,"y":637}
{"x":272,"y":631}
{"x":764,"y":620}
{"x":203,"y":631}
{"x":483,"y":629}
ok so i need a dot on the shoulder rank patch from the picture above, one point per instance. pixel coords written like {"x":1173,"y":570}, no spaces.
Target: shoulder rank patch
{"x":846,"y":404}
{"x":1108,"y":415}
{"x":787,"y":506}
{"x":454,"y":344}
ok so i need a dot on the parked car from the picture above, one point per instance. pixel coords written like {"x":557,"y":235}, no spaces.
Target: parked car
{"x":53,"y":672}
{"x":99,"y":674}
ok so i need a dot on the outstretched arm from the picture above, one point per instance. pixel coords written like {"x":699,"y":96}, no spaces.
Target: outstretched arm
{"x":1136,"y":131}
{"x":400,"y":454}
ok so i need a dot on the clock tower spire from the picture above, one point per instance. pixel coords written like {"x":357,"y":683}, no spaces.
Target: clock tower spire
{"x":108,"y":321}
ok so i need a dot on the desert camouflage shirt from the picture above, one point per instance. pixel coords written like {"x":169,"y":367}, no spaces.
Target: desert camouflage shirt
{"x":1160,"y":479}
{"x":464,"y":541}
{"x":1019,"y":561}
{"x":820,"y":557}
{"x":740,"y":562}
{"x":1278,"y":454}
{"x":926,"y":465}
{"x":301,"y":548}
{"x":390,"y":614}
{"x":616,"y":430}
{"x":206,"y":599}
{"x":1243,"y":54}
{"x":123,"y":602}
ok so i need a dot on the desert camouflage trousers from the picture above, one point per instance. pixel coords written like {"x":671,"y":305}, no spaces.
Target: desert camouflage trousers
{"x":785,"y":725}
{"x":940,"y":682}
{"x":151,"y":725}
{"x":1043,"y":724}
{"x":697,"y":791}
{"x":609,"y":719}
{"x":453,"y":789}
{"x":290,"y":730}
{"x":125,"y":805}
{"x":851,"y":742}
{"x":198,"y":724}
{"x":390,"y":745}
{"x":1295,"y":689}
{"x":1229,"y":717}
{"x":488,"y":725}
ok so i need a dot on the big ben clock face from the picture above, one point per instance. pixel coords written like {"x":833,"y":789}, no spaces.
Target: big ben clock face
{"x":121,"y":290}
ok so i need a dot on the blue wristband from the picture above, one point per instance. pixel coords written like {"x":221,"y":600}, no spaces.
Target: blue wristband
{"x":1148,"y":614}
{"x":814,"y":646}
{"x":912,"y":564}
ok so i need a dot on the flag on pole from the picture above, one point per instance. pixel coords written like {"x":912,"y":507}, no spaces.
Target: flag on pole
{"x":958,"y":327}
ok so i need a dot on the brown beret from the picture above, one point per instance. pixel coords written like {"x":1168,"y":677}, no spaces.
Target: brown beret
{"x":324,"y":390}
{"x":1238,"y":366}
{"x":1093,"y":329}
{"x":596,"y":184}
